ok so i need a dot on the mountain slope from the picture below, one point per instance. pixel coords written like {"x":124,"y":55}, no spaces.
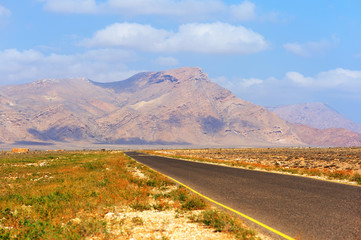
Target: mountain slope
{"x":180,"y":106}
{"x":318,"y":115}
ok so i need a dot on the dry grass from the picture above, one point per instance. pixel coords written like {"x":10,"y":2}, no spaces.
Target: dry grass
{"x":83,"y":195}
{"x":332,"y":163}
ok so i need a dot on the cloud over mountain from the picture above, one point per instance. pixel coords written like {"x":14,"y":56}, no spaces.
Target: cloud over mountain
{"x":101,"y":64}
{"x":166,"y":61}
{"x":338,"y":85}
{"x":212,"y":38}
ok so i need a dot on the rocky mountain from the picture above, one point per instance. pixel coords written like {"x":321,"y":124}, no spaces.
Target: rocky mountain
{"x":180,"y":106}
{"x":327,"y":137}
{"x":317,"y":115}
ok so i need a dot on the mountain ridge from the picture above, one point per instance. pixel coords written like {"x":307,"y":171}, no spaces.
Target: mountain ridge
{"x":317,"y":115}
{"x":178,"y":106}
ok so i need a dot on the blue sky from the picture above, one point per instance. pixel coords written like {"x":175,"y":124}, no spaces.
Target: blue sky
{"x":266,"y":52}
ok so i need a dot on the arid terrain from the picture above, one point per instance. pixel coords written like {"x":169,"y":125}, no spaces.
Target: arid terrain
{"x":337,"y":163}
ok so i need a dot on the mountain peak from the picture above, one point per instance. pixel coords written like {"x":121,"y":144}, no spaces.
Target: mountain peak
{"x":48,"y":82}
{"x":144,"y":79}
{"x":186,"y":73}
{"x":178,"y":75}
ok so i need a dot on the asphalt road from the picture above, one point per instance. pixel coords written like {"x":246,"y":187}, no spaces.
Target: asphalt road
{"x":296,"y":206}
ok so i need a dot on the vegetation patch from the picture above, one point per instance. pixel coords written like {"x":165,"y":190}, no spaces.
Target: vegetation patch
{"x":223,"y":222}
{"x":91,"y":194}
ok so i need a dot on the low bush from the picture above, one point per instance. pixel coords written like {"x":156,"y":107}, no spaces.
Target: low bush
{"x":223,"y":222}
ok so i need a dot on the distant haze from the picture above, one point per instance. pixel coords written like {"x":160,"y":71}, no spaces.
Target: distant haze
{"x":318,"y":115}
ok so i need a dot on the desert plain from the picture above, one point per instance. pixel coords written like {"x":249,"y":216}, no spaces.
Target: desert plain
{"x":331,"y":163}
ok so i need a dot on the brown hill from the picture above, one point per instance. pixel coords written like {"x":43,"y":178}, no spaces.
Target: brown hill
{"x":317,"y":115}
{"x":327,"y":137}
{"x":180,"y":106}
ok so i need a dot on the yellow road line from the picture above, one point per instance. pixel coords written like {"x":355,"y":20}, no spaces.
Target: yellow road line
{"x":226,"y":207}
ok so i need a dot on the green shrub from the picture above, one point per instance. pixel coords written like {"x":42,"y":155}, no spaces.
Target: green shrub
{"x":194,"y":203}
{"x":140,"y":206}
{"x":223,"y":222}
{"x":180,"y":194}
{"x":357,"y":178}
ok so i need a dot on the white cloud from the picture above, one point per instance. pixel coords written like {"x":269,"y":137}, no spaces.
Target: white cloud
{"x":221,"y":80}
{"x":102,"y":65}
{"x":188,"y":10}
{"x":330,"y":86}
{"x":249,"y":82}
{"x":239,"y":84}
{"x":180,"y":8}
{"x":309,"y":49}
{"x":216,"y":38}
{"x":299,"y":79}
{"x":342,"y":79}
{"x":71,"y":6}
{"x":213,"y":38}
{"x":296,"y":48}
{"x":130,"y":35}
{"x":4,"y":12}
{"x":166,"y":61}
{"x":244,"y":11}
